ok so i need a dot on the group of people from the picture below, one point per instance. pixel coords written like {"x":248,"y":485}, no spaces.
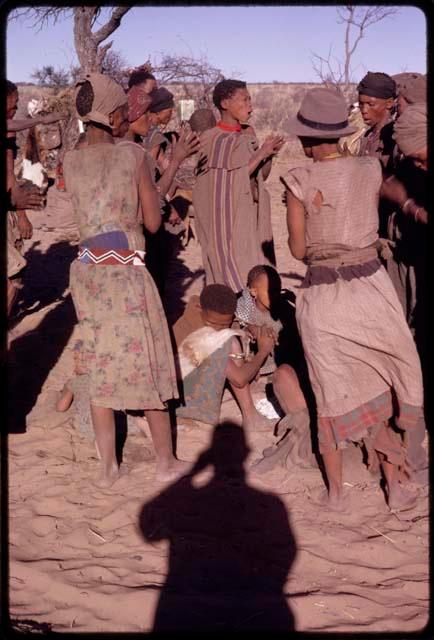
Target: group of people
{"x":353,"y":216}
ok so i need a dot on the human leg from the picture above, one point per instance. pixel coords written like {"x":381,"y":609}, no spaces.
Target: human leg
{"x":397,"y":496}
{"x":416,"y":454}
{"x":393,"y":460}
{"x":103,"y":421}
{"x":287,"y":389}
{"x":252,"y":419}
{"x":168,"y":467}
{"x":333,"y":468}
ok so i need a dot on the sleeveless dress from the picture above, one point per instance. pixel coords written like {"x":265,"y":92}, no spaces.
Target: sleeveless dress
{"x":126,"y":343}
{"x":362,"y":360}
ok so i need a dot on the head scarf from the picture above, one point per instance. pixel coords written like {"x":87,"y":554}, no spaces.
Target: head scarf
{"x":138,"y":103}
{"x":377,"y":85}
{"x":413,"y":89}
{"x":161,"y":99}
{"x":410,"y":130}
{"x":108,"y":96}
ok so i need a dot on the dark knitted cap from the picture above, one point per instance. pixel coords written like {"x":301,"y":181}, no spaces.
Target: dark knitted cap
{"x":161,"y":99}
{"x":377,"y":85}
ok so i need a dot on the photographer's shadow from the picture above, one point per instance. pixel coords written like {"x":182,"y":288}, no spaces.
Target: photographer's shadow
{"x":231,"y":546}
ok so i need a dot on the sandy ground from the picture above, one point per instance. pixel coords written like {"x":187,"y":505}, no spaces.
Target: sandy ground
{"x":143,"y":556}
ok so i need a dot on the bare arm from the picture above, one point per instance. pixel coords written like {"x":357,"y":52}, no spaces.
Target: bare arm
{"x":296,"y":226}
{"x":271,"y":146}
{"x":240,"y":375}
{"x":28,"y":123}
{"x":65,"y":400}
{"x":149,"y":200}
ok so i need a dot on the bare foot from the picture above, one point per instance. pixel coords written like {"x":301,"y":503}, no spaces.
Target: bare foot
{"x":108,"y":477}
{"x":400,"y":499}
{"x":258,"y":422}
{"x":322,"y":498}
{"x":170,"y":472}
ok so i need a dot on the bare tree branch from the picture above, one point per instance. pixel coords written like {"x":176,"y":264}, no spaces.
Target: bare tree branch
{"x":356,"y":20}
{"x":41,"y":16}
{"x":196,"y":75}
{"x":114,"y":22}
{"x":89,"y":53}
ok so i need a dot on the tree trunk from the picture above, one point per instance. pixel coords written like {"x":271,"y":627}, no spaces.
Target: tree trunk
{"x":85,"y":45}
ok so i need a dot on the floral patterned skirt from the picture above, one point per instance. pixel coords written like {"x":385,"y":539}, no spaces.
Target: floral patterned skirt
{"x":126,"y":342}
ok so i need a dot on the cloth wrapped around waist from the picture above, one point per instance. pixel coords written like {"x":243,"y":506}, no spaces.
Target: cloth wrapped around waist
{"x":110,"y":248}
{"x":340,"y":255}
{"x":329,"y":262}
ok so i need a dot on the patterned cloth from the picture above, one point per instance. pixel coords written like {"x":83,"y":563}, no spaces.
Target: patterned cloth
{"x":248,"y":313}
{"x":127,"y":348}
{"x":203,"y":387}
{"x":359,"y":350}
{"x":82,"y":420}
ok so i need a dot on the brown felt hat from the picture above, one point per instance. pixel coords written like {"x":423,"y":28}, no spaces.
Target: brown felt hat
{"x":322,"y":114}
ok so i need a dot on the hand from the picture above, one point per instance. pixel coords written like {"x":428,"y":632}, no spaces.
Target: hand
{"x":266,"y":340}
{"x":25,"y":227}
{"x":24,"y":197}
{"x":252,"y":331}
{"x":187,"y":144}
{"x":272,"y":145}
{"x":53,"y":117}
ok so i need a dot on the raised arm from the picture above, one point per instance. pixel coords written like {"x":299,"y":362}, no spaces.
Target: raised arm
{"x":270,"y":147}
{"x":28,"y":123}
{"x":187,"y":144}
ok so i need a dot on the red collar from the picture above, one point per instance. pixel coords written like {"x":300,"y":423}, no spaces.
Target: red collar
{"x":228,"y":127}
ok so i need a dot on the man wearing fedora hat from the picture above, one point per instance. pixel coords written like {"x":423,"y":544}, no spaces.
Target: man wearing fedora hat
{"x":362,"y":361}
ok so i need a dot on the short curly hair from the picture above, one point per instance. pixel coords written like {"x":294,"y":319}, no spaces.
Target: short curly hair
{"x":219,"y":298}
{"x":201,"y":120}
{"x":225,"y":89}
{"x":274,"y":281}
{"x":10,"y":87}
{"x":139,"y":77}
{"x":84,"y":98}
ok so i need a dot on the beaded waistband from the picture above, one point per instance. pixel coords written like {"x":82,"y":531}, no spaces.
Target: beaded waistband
{"x":111,"y":256}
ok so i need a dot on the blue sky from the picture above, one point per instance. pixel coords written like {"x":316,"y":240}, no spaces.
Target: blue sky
{"x":261,"y":43}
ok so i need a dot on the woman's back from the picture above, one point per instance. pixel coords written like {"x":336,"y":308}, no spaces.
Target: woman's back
{"x":102,"y":180}
{"x":341,"y":200}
